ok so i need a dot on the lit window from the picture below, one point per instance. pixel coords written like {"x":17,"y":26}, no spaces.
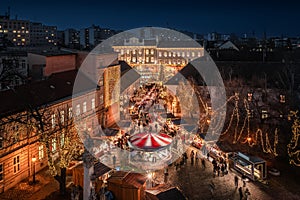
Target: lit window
{"x":1,"y":142}
{"x":193,"y":54}
{"x":127,"y":51}
{"x":53,"y":120}
{"x":188,"y":54}
{"x":62,"y":140}
{"x":62,"y":116}
{"x":84,"y":107}
{"x":282,"y":98}
{"x":165,"y":54}
{"x":93,"y":104}
{"x":159,"y":54}
{"x":53,"y":145}
{"x":199,"y":54}
{"x":152,"y":51}
{"x":170,"y":54}
{"x":41,"y":152}
{"x":147,"y":51}
{"x":78,"y":110}
{"x":264,"y":114}
{"x":70,"y":113}
{"x":183,"y":54}
{"x":122,"y":51}
{"x":250,"y":96}
{"x":16,"y":164}
{"x":1,"y":172}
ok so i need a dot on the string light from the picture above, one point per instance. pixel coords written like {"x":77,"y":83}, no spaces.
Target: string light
{"x":293,"y":147}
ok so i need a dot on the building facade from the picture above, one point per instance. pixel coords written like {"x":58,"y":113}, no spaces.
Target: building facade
{"x":15,"y":30}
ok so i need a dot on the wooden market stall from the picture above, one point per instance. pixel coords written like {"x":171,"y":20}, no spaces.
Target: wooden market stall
{"x":126,"y":185}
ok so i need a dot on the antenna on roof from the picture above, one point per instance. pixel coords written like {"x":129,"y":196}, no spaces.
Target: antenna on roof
{"x":8,"y":11}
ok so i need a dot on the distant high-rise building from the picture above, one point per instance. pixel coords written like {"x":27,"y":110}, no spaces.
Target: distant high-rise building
{"x":41,"y":34}
{"x":71,"y":38}
{"x":94,"y":35}
{"x":14,"y":30}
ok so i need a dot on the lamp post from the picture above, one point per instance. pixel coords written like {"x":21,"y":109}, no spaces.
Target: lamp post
{"x":33,"y":159}
{"x":249,"y":140}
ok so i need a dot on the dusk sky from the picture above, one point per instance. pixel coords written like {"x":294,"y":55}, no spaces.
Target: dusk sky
{"x":227,"y":16}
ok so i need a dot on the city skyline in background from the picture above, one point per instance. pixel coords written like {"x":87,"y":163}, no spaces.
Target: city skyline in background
{"x":252,"y":18}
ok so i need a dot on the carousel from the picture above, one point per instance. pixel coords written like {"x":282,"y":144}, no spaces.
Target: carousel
{"x":151,"y":147}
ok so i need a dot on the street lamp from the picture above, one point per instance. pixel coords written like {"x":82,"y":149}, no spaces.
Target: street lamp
{"x":249,"y":140}
{"x":33,"y":159}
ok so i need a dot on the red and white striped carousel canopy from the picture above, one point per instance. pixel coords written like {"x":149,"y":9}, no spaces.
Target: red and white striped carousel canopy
{"x":150,"y":141}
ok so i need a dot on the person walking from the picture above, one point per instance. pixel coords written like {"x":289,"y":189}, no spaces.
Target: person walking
{"x":236,"y":181}
{"x":203,"y":163}
{"x":247,"y":193}
{"x":192,"y":157}
{"x":114,"y":161}
{"x":212,"y":188}
{"x":241,"y":193}
{"x":197,"y":158}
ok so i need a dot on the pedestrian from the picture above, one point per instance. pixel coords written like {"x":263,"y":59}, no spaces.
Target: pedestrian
{"x":197,"y":158}
{"x":114,"y":160}
{"x":208,"y":156}
{"x":223,"y":169}
{"x":203,"y":163}
{"x":236,"y":181}
{"x":218,"y":170}
{"x":244,"y":180}
{"x":241,"y":193}
{"x":166,"y":175}
{"x":212,"y":188}
{"x":247,"y":193}
{"x":192,"y":157}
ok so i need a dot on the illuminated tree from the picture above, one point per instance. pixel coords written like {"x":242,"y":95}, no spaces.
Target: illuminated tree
{"x":58,"y":134}
{"x":293,"y":147}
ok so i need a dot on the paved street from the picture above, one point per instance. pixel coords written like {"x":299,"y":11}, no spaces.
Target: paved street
{"x":194,"y":181}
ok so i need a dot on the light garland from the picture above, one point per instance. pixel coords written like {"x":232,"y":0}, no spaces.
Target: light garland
{"x":293,"y":147}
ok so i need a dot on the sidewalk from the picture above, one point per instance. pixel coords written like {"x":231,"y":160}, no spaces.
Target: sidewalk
{"x":45,"y":186}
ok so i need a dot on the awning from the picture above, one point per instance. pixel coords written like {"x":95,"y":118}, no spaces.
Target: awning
{"x":150,"y":141}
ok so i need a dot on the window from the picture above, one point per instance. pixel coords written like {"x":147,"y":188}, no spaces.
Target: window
{"x":53,"y":145}
{"x":78,"y":110}
{"x":84,"y":107}
{"x":16,"y":164}
{"x":1,"y":142}
{"x":1,"y":172}
{"x":101,"y":99}
{"x":41,"y":152}
{"x":264,"y":114}
{"x":62,"y":116}
{"x":70,"y":113}
{"x":93,"y":104}
{"x":62,"y":140}
{"x":53,"y":120}
{"x":282,"y":98}
{"x":250,"y":96}
{"x":159,"y":54}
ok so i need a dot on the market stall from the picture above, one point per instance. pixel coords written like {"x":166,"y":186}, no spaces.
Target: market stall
{"x":251,"y":166}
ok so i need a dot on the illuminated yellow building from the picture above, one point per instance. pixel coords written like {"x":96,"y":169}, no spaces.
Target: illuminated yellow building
{"x":148,"y":55}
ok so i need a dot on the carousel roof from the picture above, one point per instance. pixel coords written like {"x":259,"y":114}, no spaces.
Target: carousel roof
{"x":150,"y":141}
